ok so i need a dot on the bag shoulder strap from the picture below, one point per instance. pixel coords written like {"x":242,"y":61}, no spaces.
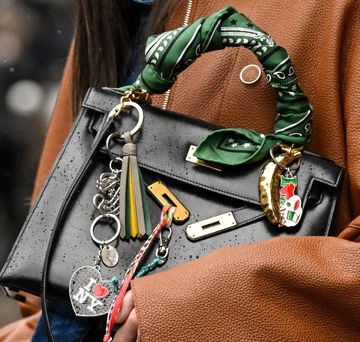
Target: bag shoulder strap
{"x":69,"y":194}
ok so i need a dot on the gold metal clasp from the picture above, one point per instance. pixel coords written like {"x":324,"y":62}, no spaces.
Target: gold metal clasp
{"x":126,"y":101}
{"x":164,"y":195}
{"x":135,"y":95}
{"x":210,"y":226}
{"x":192,"y":159}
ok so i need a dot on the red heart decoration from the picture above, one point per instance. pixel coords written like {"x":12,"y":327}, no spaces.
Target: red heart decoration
{"x":288,"y":190}
{"x":100,"y":290}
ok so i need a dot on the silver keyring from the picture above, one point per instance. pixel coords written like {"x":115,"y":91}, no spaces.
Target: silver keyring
{"x":111,"y":154}
{"x":115,"y":111}
{"x":105,"y":242}
{"x":111,"y":164}
{"x":140,"y":120}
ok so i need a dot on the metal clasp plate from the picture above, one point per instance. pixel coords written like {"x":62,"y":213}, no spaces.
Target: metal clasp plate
{"x":164,"y":195}
{"x":192,"y":159}
{"x":210,"y":226}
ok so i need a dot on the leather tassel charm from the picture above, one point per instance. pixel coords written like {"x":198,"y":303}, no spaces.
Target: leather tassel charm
{"x":134,"y":212}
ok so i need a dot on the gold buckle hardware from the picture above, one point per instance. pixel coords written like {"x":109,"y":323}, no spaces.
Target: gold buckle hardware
{"x":135,"y":95}
{"x":192,"y":159}
{"x":164,"y":196}
{"x":131,"y":95}
{"x":210,"y":226}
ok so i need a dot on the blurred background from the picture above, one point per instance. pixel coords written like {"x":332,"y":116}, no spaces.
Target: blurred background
{"x":35,"y":37}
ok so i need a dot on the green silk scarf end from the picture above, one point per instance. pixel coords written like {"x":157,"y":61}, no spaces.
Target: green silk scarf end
{"x":237,"y":146}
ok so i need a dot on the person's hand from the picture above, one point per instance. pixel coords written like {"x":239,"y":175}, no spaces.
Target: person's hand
{"x":129,"y":331}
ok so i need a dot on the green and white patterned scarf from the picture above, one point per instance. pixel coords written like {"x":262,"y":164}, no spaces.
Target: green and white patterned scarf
{"x":171,"y":52}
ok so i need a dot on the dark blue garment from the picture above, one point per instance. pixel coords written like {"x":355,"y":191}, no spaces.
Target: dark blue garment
{"x":65,"y":325}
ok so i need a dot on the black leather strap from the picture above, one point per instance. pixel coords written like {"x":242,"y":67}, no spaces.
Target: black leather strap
{"x":70,"y":192}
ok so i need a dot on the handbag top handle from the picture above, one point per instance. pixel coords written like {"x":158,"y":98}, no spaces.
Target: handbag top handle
{"x":171,"y":52}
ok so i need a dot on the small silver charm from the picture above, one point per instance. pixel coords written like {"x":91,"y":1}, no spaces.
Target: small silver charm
{"x":108,"y":186}
{"x":90,"y":295}
{"x":109,"y":256}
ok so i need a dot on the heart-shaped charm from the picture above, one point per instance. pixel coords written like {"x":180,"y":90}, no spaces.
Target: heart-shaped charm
{"x":90,"y":295}
{"x":100,"y":291}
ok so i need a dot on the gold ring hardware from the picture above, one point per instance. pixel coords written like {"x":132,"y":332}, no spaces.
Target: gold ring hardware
{"x":130,"y":96}
{"x":285,"y":149}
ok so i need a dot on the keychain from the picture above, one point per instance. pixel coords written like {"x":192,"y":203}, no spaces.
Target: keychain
{"x":289,"y":203}
{"x":277,"y":187}
{"x":133,"y":209}
{"x":166,"y":218}
{"x":161,"y":255}
{"x":90,"y":295}
{"x":108,"y":185}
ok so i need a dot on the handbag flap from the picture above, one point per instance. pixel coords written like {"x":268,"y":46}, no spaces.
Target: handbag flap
{"x":165,"y":140}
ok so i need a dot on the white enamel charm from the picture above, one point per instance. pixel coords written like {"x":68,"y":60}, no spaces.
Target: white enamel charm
{"x":90,"y":295}
{"x":290,"y":203}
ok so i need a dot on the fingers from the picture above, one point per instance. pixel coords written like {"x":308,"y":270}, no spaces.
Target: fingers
{"x":127,"y":306}
{"x":128,"y":332}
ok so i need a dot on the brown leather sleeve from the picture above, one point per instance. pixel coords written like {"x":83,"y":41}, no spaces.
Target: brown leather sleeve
{"x":294,"y":289}
{"x":59,"y":127}
{"x":350,"y":95}
{"x":285,"y":289}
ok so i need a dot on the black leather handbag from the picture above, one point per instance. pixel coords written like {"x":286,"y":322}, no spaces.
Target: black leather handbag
{"x":218,"y":208}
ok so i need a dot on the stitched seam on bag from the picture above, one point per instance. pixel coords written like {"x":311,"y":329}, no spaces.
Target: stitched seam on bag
{"x":239,"y":209}
{"x":86,"y":101}
{"x":16,"y":243}
{"x":247,"y":220}
{"x":243,"y":208}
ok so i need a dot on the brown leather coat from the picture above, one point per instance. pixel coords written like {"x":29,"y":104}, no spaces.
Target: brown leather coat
{"x":286,"y":289}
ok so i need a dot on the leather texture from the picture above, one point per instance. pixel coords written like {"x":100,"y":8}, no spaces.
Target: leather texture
{"x":285,"y":289}
{"x":64,"y":211}
{"x":321,"y":40}
{"x":293,"y":289}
